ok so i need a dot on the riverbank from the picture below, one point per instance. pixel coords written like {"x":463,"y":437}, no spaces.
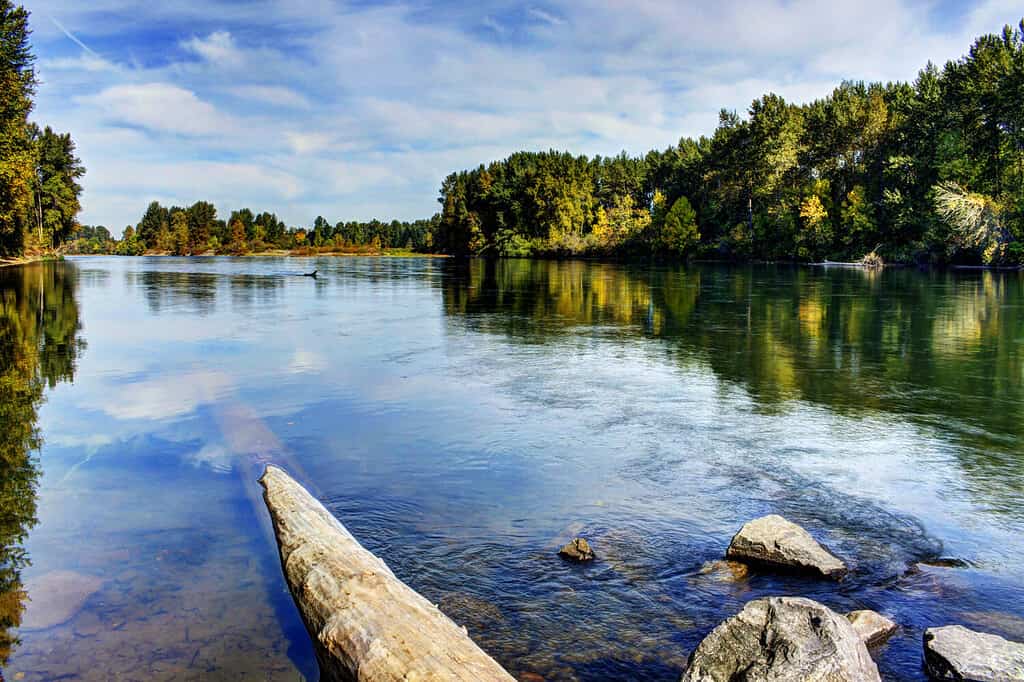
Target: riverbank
{"x":25,"y":260}
{"x":288,"y":253}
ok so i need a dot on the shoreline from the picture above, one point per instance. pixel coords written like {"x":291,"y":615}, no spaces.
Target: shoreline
{"x":28,"y":260}
{"x":281,"y":253}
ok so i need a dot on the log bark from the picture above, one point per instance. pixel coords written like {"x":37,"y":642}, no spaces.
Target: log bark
{"x":366,"y":624}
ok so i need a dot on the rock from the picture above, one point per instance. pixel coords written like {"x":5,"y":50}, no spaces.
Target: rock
{"x":786,"y":639}
{"x":577,"y":549}
{"x":955,"y":653}
{"x":725,"y":571}
{"x":774,"y":541}
{"x":55,"y":598}
{"x":475,"y":613}
{"x":873,"y":628}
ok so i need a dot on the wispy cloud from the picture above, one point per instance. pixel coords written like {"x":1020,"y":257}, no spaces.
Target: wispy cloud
{"x":545,"y":16}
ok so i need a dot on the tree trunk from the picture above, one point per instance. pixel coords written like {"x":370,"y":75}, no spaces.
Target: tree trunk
{"x":366,"y":624}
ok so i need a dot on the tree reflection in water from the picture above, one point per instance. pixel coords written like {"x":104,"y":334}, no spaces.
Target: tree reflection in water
{"x":39,"y":348}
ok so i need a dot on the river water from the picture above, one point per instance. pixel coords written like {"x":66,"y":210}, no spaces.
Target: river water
{"x":465,"y":419}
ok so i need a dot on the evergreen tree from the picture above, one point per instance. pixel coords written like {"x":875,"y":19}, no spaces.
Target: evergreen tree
{"x":17,"y":86}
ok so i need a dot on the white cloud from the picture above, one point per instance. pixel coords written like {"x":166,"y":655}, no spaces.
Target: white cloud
{"x":159,"y":107}
{"x":304,"y":143}
{"x":218,"y":47}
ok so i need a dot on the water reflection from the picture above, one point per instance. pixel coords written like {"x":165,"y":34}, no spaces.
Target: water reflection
{"x":942,"y":349}
{"x":39,"y":347}
{"x":169,"y":290}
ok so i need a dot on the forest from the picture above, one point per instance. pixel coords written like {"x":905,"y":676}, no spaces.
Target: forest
{"x":39,"y":172}
{"x":927,"y":172}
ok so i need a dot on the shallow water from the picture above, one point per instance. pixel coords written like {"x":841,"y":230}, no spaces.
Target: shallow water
{"x":463,"y":420}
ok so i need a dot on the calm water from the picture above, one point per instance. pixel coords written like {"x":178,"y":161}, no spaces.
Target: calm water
{"x":463,"y":420}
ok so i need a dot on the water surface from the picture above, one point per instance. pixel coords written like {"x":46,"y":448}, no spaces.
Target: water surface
{"x":464,"y":419}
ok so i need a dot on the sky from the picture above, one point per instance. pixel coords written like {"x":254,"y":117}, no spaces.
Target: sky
{"x":356,"y":110}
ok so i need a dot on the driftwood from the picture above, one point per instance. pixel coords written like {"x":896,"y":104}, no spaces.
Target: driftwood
{"x":366,"y":624}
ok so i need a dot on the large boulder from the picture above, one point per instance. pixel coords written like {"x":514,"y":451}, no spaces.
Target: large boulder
{"x":872,"y":627}
{"x":955,"y":653}
{"x":783,"y":639}
{"x":773,"y":541}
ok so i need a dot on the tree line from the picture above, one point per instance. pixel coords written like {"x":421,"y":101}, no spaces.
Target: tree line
{"x":929,"y":171}
{"x":39,"y":171}
{"x":197,"y":229}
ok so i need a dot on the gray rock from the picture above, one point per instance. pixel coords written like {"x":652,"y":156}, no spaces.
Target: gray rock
{"x":782,"y":639}
{"x":955,"y":653}
{"x":774,"y":541}
{"x":873,"y":628}
{"x":577,"y":549}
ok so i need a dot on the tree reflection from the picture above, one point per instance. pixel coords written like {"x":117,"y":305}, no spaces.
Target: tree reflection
{"x":39,"y":347}
{"x":941,"y":350}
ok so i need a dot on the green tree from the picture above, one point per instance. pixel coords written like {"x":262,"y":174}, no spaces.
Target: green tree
{"x":57,"y":192}
{"x":17,"y":86}
{"x":180,"y":233}
{"x":679,"y":233}
{"x":154,"y":220}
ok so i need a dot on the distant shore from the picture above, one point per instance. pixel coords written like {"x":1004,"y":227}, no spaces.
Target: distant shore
{"x":281,"y":253}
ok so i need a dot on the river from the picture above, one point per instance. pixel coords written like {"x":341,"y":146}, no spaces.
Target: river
{"x":465,"y":419}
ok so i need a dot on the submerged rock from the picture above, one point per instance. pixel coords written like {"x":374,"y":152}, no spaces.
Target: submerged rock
{"x":725,"y":570}
{"x":782,"y":638}
{"x":955,"y":653}
{"x":873,"y":628}
{"x":774,"y":541}
{"x":55,"y":598}
{"x":577,"y":549}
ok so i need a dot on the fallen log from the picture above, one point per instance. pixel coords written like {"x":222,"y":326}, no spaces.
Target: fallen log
{"x":366,"y":624}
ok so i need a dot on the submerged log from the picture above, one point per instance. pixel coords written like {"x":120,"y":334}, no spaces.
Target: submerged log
{"x":366,"y":624}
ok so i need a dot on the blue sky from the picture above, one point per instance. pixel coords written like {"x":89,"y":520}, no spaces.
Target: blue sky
{"x":358,"y":110}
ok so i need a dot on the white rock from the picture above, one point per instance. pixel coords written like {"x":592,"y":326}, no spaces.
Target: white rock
{"x":782,"y":639}
{"x":955,"y":653}
{"x":774,"y":541}
{"x":872,"y":627}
